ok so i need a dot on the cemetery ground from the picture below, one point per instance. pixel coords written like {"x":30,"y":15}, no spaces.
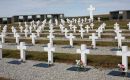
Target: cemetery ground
{"x":100,"y":64}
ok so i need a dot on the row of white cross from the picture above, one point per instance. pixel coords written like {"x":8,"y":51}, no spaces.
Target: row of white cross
{"x":83,"y":50}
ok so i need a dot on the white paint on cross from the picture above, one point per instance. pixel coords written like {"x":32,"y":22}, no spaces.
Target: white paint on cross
{"x":17,"y":37}
{"x":33,"y":36}
{"x":87,"y":28}
{"x":91,"y":9}
{"x":83,"y":50}
{"x":124,"y":53}
{"x":50,"y":49}
{"x":92,"y":25}
{"x":66,"y":31}
{"x":74,"y":28}
{"x":93,"y":37}
{"x":21,"y":29}
{"x":26,"y":32}
{"x":22,"y":48}
{"x":71,"y":37}
{"x":99,"y":31}
{"x":81,"y":32}
{"x":51,"y":37}
{"x":119,"y":39}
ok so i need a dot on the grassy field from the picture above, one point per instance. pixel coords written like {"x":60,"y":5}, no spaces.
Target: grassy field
{"x":97,"y":61}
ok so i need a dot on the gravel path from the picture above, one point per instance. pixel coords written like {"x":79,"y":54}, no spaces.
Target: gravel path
{"x":27,"y":71}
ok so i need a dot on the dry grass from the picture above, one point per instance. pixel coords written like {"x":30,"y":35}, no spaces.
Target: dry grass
{"x":104,"y":61}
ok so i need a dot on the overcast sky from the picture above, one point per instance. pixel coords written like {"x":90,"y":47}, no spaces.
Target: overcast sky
{"x":68,"y":7}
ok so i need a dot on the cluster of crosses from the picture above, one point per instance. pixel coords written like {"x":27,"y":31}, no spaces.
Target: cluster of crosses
{"x":34,"y":29}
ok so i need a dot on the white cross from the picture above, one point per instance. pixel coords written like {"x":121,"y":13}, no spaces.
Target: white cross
{"x":91,"y":9}
{"x":21,"y":29}
{"x":124,"y":53}
{"x":62,"y":28}
{"x":50,"y":49}
{"x":19,"y":23}
{"x":92,"y":25}
{"x":26,"y":32}
{"x":12,"y":28}
{"x":66,"y":31}
{"x":17,"y":38}
{"x":99,"y":19}
{"x":33,"y":36}
{"x":119,"y":38}
{"x":116,"y":25}
{"x":14,"y":31}
{"x":51,"y":29}
{"x":117,"y":31}
{"x":71,"y":37}
{"x":56,"y":22}
{"x":0,"y":50}
{"x":128,"y":25}
{"x":30,"y":29}
{"x":81,"y":32}
{"x":74,"y":28}
{"x":99,"y":31}
{"x":70,"y":26}
{"x":22,"y":48}
{"x":38,"y":32}
{"x":87,"y":28}
{"x":93,"y":37}
{"x":83,"y":50}
{"x":51,"y":37}
{"x":2,"y":37}
{"x":81,"y":25}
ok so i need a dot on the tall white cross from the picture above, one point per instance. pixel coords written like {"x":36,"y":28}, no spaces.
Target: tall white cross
{"x":17,"y":38}
{"x":22,"y":48}
{"x":0,"y":50}
{"x":2,"y":37}
{"x":81,"y":32}
{"x":83,"y":50}
{"x":71,"y":37}
{"x":33,"y":36}
{"x":50,"y":49}
{"x":124,"y":53}
{"x":119,"y":39}
{"x":93,"y":37}
{"x":91,"y":9}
